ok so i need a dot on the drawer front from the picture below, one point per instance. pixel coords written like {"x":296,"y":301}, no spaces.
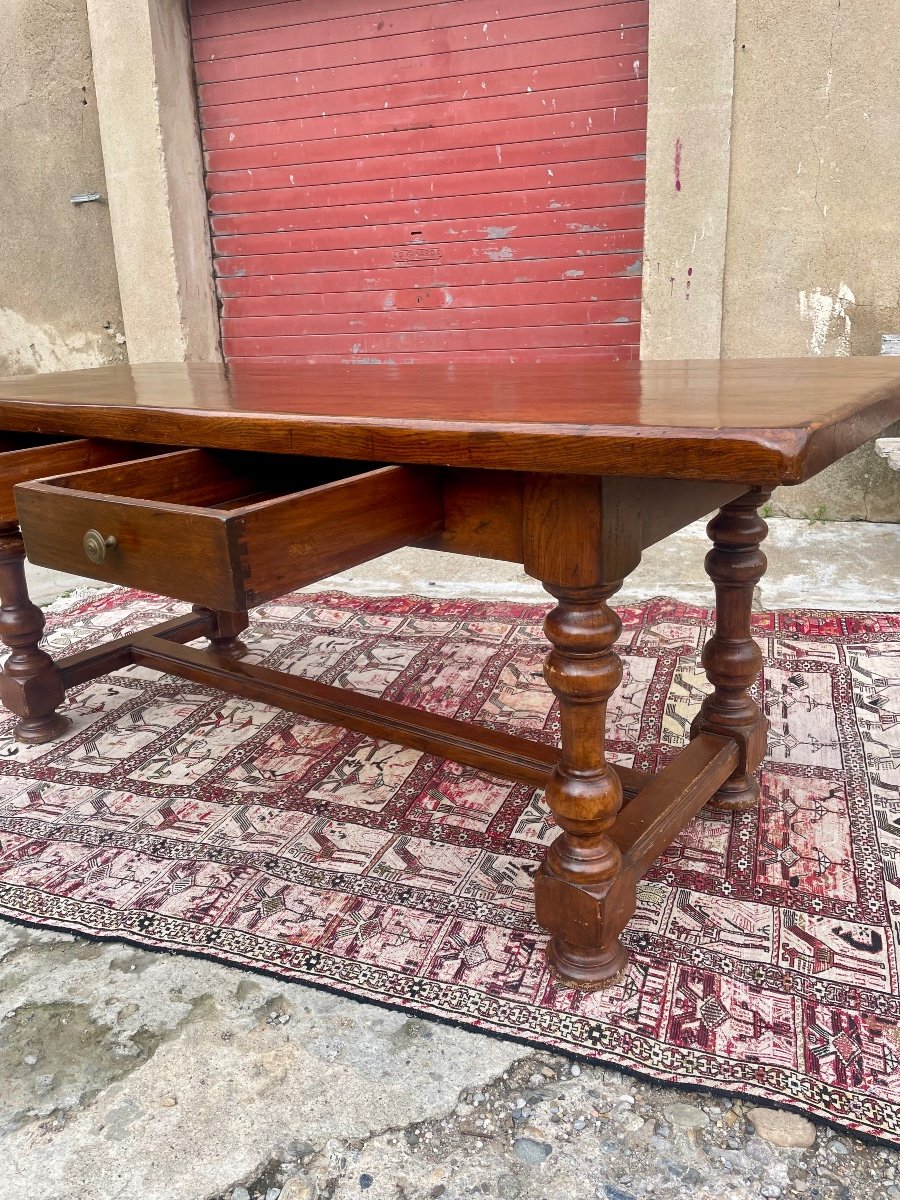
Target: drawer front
{"x":225,"y":554}
{"x":182,"y":554}
{"x":20,"y":462}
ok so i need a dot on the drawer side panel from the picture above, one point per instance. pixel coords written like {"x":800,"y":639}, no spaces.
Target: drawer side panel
{"x":286,"y":544}
{"x":35,"y":462}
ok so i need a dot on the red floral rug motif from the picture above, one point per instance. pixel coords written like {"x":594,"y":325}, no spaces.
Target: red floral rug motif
{"x":764,"y":953}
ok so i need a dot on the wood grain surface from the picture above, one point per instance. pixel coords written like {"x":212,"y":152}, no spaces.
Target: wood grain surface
{"x":752,"y":420}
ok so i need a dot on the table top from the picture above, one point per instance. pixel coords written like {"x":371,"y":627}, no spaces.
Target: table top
{"x":746,"y":420}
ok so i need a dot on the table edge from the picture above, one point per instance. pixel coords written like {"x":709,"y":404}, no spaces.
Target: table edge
{"x":781,"y":455}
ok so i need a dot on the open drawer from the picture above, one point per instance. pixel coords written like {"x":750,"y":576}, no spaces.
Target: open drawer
{"x":32,"y":455}
{"x":221,"y":529}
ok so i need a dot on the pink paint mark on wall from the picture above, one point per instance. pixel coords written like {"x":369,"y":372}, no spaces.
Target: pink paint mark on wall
{"x":678,"y":149}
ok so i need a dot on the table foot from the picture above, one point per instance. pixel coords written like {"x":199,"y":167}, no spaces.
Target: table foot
{"x":739,"y":795}
{"x":228,"y":647}
{"x":224,"y":630}
{"x":584,"y":968}
{"x":35,"y":731}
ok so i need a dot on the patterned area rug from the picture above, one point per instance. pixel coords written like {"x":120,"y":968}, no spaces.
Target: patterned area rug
{"x":764,"y":950}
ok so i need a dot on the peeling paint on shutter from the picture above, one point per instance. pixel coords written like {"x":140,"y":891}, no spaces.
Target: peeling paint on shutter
{"x":460,"y":181}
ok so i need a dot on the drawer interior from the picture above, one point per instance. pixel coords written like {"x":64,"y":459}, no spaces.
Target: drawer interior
{"x":207,"y":479}
{"x":10,"y":442}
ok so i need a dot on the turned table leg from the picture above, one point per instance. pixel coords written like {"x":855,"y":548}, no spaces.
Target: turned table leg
{"x":30,"y":684}
{"x":731,"y":657}
{"x":224,"y":631}
{"x":581,"y":539}
{"x":583,"y":792}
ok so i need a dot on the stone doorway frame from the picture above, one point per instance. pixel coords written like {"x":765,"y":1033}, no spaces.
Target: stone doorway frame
{"x":146,"y":100}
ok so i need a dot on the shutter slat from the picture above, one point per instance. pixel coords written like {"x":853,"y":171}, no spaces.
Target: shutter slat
{"x":423,"y":182}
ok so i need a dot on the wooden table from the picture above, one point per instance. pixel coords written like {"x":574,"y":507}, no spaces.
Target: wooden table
{"x":295,"y":472}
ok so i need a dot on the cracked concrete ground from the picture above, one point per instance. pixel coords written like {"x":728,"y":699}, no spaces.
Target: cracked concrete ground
{"x":135,"y":1074}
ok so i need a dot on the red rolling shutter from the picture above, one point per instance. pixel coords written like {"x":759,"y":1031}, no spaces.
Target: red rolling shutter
{"x":458,"y":181}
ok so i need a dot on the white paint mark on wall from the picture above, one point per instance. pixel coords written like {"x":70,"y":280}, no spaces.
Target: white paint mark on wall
{"x":829,"y":320}
{"x":25,"y":347}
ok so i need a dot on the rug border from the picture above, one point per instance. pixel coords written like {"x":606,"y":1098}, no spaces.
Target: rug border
{"x":611,"y":1060}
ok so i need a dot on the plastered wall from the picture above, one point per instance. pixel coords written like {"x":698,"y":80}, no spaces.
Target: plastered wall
{"x":151,"y":145}
{"x":59,"y":299}
{"x":812,"y":263}
{"x":774,"y":191}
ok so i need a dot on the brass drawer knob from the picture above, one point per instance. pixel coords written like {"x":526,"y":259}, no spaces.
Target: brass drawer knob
{"x":96,"y":545}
